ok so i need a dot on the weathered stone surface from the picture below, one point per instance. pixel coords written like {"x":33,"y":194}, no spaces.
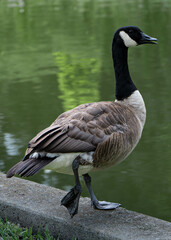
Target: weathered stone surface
{"x":31,"y":205}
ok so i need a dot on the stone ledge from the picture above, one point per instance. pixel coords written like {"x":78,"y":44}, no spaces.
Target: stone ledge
{"x":31,"y":205}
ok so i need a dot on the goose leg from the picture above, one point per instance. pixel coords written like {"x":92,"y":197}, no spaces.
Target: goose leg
{"x":101,"y":205}
{"x":71,"y":199}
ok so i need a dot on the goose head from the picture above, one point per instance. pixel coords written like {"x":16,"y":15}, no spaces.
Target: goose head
{"x":132,"y":36}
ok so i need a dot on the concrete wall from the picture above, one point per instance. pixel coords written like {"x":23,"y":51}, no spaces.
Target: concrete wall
{"x":31,"y":205}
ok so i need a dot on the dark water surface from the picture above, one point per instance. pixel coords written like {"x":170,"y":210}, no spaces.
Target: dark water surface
{"x":56,"y":54}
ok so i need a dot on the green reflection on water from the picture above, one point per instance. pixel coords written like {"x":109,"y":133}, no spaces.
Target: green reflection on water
{"x":35,"y":87}
{"x":77,"y":79}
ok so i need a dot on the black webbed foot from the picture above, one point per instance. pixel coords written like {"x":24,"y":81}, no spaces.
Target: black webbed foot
{"x":103,"y":205}
{"x":71,"y":200}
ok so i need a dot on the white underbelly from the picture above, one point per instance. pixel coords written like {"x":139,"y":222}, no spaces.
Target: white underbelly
{"x":63,"y":163}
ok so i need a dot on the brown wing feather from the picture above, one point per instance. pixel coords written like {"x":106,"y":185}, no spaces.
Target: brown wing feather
{"x":81,"y":129}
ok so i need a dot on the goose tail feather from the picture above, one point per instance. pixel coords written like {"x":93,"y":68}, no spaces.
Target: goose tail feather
{"x":28,"y":167}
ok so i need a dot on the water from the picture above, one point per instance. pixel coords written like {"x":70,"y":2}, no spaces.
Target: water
{"x":55,"y":55}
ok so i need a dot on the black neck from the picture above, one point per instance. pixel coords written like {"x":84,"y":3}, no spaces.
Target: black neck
{"x":124,"y":84}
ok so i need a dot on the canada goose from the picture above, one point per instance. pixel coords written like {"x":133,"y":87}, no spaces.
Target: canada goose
{"x":94,"y":135}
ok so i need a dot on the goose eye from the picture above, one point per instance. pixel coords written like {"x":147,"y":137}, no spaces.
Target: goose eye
{"x":130,"y":31}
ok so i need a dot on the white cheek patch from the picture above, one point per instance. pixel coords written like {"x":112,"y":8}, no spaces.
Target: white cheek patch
{"x":129,"y":42}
